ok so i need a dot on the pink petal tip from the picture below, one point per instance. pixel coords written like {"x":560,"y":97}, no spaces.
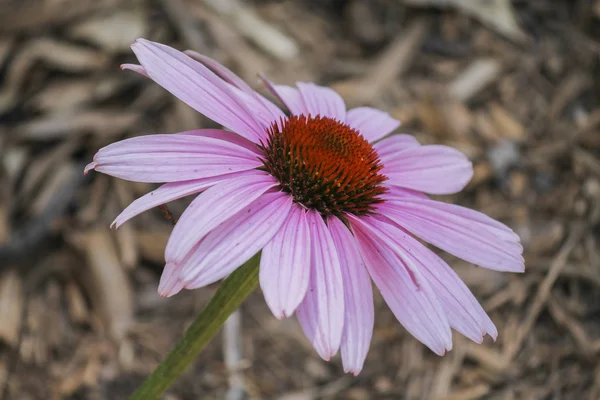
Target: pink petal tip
{"x":90,"y":166}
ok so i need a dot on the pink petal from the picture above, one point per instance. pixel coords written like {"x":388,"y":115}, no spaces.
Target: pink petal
{"x":373,"y":124}
{"x":416,"y":307}
{"x":235,"y":241}
{"x":388,"y":148}
{"x":322,"y":101}
{"x":431,"y":169}
{"x":358,"y":299}
{"x":228,"y":136}
{"x":172,"y":158}
{"x":395,"y":193}
{"x":288,"y":95}
{"x":225,"y":73}
{"x":170,"y":192}
{"x":211,"y":208}
{"x":467,"y":234}
{"x":321,"y":313}
{"x":170,"y":284}
{"x":197,"y":86}
{"x":262,"y":109}
{"x":285,"y":265}
{"x":463,"y":311}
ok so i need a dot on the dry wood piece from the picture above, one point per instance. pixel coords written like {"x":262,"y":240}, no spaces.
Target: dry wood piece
{"x":260,"y":32}
{"x":478,"y":75}
{"x":395,"y":60}
{"x":498,"y":14}
{"x":544,"y":291}
{"x":107,"y":283}
{"x":11,"y":307}
{"x":527,"y":113}
{"x":114,"y":32}
{"x":105,"y":123}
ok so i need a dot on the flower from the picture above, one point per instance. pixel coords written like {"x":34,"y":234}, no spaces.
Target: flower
{"x":329,"y":196}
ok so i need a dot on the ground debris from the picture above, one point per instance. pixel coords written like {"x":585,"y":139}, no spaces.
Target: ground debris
{"x":80,"y":316}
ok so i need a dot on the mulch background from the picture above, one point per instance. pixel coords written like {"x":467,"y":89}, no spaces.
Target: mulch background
{"x":512,"y":84}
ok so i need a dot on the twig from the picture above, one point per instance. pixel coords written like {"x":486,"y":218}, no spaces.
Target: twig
{"x":394,"y":61}
{"x":232,"y":352}
{"x":544,"y":290}
{"x":167,"y":214}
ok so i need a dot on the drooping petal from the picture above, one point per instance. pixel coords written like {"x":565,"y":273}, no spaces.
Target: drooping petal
{"x":170,"y":284}
{"x":465,"y":233}
{"x":463,"y":311}
{"x":289,"y":96}
{"x":211,"y":208}
{"x":197,"y":86}
{"x":170,"y":192}
{"x":403,"y":288}
{"x":322,"y":101}
{"x":236,"y":240}
{"x":172,"y":158}
{"x":321,"y":313}
{"x":373,"y":124}
{"x":388,"y":147}
{"x":285,"y":265}
{"x":358,"y":299}
{"x":431,"y":169}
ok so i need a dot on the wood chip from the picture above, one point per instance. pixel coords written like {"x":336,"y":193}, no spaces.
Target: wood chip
{"x":257,"y":30}
{"x":11,"y":307}
{"x":105,"y":123}
{"x":506,"y":124}
{"x":114,"y":32}
{"x":110,"y":289}
{"x":477,"y":76}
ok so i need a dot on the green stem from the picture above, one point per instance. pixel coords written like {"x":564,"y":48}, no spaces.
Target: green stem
{"x":233,"y":291}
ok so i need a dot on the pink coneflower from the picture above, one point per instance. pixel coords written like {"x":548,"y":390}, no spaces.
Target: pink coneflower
{"x":329,"y":199}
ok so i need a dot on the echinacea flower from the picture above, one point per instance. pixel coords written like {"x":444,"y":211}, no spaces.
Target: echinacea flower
{"x":329,"y":196}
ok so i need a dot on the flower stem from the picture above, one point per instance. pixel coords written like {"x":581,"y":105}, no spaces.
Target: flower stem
{"x":233,"y":291}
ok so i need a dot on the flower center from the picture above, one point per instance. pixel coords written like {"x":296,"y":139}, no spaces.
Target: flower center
{"x":325,"y":165}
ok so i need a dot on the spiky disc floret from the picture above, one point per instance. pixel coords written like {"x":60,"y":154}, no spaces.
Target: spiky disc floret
{"x":324,"y":164}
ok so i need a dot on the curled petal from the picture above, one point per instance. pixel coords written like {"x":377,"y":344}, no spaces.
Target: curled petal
{"x":135,"y":68}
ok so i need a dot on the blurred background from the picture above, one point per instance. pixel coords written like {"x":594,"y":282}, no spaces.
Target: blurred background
{"x":510,"y":83}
